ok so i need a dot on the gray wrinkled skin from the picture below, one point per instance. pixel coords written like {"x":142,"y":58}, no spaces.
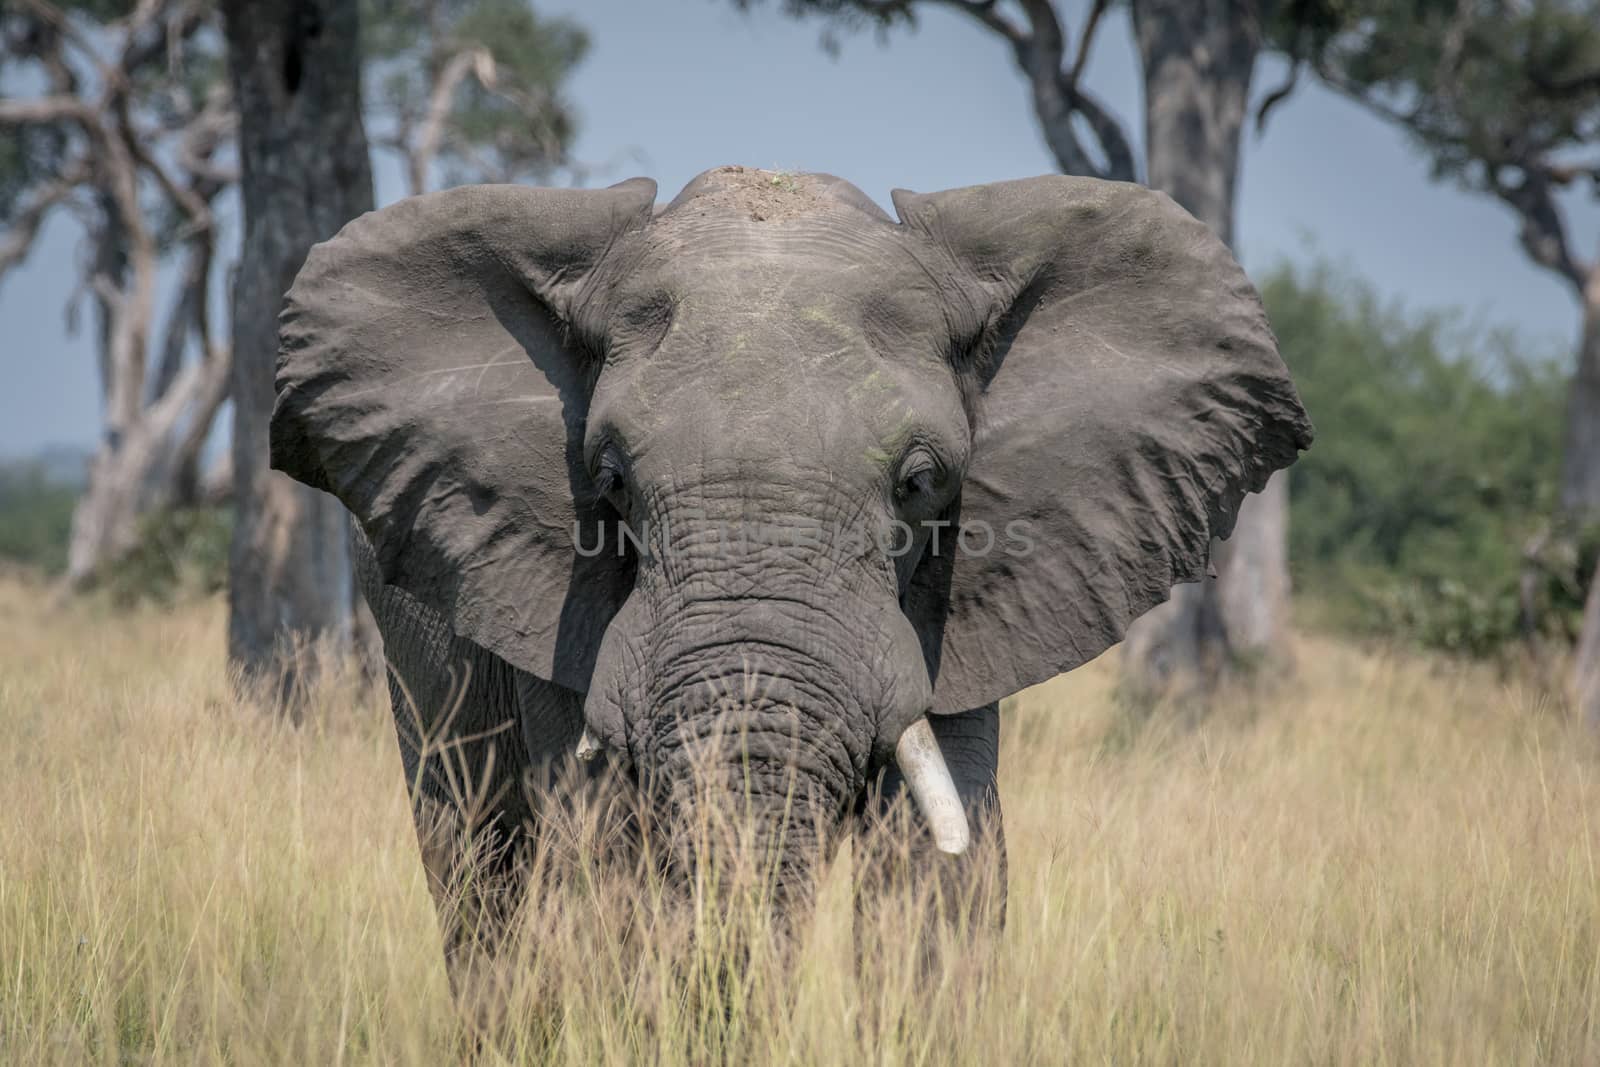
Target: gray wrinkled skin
{"x":490,"y":377}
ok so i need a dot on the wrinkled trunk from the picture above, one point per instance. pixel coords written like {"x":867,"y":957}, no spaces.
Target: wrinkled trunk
{"x":1198,"y":57}
{"x":304,"y":173}
{"x":740,"y":831}
{"x":752,"y":700}
{"x":748,"y":776}
{"x":747,"y":733}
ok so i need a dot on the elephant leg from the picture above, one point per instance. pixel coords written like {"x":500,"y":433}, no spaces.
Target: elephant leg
{"x":896,"y":864}
{"x":457,"y":718}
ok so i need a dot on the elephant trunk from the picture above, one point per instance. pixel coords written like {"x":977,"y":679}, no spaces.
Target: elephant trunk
{"x":749,"y":773}
{"x":755,"y":710}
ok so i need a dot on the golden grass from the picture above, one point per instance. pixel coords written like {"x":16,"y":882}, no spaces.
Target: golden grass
{"x":1390,"y":860}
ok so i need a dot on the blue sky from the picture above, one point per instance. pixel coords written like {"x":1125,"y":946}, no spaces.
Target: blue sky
{"x":673,"y":87}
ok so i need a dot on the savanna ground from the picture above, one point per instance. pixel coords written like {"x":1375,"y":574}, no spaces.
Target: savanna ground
{"x":1389,"y":860}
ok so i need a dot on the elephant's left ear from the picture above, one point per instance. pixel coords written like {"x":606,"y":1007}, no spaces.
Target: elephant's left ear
{"x":433,"y":374}
{"x":1129,"y":394}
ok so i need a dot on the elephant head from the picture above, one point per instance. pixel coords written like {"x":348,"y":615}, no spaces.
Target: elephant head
{"x":768,"y":464}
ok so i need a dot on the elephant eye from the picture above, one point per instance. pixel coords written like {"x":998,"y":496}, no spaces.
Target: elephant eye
{"x":609,"y":481}
{"x":917,"y":475}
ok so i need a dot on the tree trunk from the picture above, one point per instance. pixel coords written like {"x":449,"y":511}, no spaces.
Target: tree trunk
{"x":142,"y":459}
{"x":1580,"y":475}
{"x":1198,"y":57}
{"x":304,"y":173}
{"x":1252,"y":584}
{"x":1586,"y":666}
{"x":147,"y":466}
{"x":1580,"y":492}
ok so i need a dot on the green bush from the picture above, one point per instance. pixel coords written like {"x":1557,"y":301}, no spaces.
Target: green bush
{"x":181,"y":552}
{"x":35,"y":518}
{"x":1435,"y":468}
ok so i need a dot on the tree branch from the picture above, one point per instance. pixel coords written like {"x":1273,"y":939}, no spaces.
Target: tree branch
{"x":984,"y":12}
{"x":25,"y":226}
{"x":1108,"y":131}
{"x":57,"y":20}
{"x":1544,"y":231}
{"x":1358,"y":95}
{"x":1041,"y":55}
{"x":40,"y":38}
{"x":1565,"y":87}
{"x":44,"y":109}
{"x":419,"y":159}
{"x":136,"y":52}
{"x":190,"y":315}
{"x":203,"y":135}
{"x":1085,"y":40}
{"x":1285,"y":89}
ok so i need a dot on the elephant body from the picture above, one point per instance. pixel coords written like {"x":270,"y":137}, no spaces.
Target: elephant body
{"x":766,"y":475}
{"x":453,"y":700}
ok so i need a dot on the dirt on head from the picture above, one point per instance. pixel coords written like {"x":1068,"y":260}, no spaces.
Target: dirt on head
{"x":764,"y":195}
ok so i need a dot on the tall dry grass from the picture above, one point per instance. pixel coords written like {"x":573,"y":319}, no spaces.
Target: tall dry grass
{"x":1391,"y":860}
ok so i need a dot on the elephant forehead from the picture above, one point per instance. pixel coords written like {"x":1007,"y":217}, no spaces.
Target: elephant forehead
{"x":818,"y":394}
{"x":759,"y":373}
{"x":799,"y":330}
{"x":788,"y":299}
{"x":766,"y":325}
{"x":726,"y":250}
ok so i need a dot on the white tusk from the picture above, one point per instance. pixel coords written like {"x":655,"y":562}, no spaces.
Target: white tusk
{"x":923,"y":767}
{"x":588,"y":747}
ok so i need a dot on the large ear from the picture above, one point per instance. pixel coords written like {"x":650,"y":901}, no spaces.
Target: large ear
{"x":433,"y":375}
{"x":1127,"y":394}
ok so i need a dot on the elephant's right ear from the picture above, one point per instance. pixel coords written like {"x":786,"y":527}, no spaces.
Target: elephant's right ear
{"x":1129,"y":395}
{"x":433,"y":375}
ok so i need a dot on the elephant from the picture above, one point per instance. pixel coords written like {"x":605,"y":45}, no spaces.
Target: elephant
{"x":607,"y":461}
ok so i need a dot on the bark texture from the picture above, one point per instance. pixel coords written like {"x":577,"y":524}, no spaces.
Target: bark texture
{"x":304,"y":173}
{"x":1580,"y":475}
{"x":1198,"y":57}
{"x":1586,"y":671}
{"x":147,"y":467}
{"x":1580,"y":492}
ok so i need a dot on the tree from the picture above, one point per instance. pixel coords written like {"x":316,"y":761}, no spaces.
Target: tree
{"x":124,"y":128}
{"x":1504,"y":99}
{"x":1197,"y":58}
{"x":1586,"y":665}
{"x":462,"y":91}
{"x":123,"y":136}
{"x":296,"y":74}
{"x":1429,"y":549}
{"x":472,"y":87}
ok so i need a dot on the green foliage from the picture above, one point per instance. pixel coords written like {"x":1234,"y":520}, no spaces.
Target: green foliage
{"x":515,"y":126}
{"x":168,"y":81}
{"x":35,"y":518}
{"x":1482,"y":85}
{"x":1435,"y":467}
{"x":181,"y":552}
{"x":30,"y":155}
